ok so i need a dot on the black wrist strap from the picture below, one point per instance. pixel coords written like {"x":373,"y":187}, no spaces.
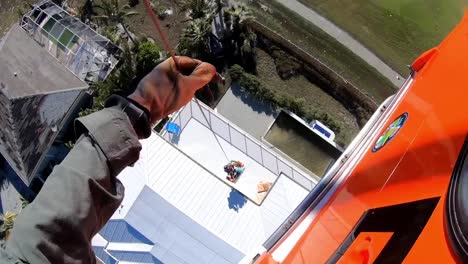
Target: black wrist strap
{"x":138,"y":115}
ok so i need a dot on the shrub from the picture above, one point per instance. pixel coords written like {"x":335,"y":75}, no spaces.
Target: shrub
{"x":248,"y":81}
{"x":147,"y":57}
{"x":269,"y":95}
{"x":297,"y":104}
{"x":282,"y":101}
{"x":236,"y":72}
{"x":251,"y":83}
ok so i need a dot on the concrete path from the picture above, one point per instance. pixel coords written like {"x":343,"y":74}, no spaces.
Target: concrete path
{"x":344,"y":38}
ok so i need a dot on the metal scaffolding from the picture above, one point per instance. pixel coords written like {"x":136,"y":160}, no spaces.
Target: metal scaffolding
{"x":86,"y":53}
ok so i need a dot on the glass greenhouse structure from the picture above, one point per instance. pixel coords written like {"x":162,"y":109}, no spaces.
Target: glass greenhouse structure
{"x":86,"y":53}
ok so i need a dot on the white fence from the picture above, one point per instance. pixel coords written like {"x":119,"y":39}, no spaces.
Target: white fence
{"x":242,"y":141}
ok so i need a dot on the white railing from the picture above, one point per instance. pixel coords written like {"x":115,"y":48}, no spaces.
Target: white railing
{"x":242,"y":141}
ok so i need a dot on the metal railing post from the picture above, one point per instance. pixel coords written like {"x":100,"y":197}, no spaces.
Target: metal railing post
{"x":229,"y":130}
{"x":277,"y":166}
{"x":261,"y":154}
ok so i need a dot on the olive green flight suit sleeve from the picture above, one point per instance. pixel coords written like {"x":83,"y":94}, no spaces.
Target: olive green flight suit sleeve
{"x":80,"y":195}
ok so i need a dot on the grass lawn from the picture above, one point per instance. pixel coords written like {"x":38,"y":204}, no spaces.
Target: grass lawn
{"x":395,"y":30}
{"x":326,"y":49}
{"x":316,"y":98}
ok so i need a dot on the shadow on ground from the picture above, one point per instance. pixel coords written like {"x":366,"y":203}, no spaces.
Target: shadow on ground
{"x":256,"y":105}
{"x":236,"y":200}
{"x":175,"y":139}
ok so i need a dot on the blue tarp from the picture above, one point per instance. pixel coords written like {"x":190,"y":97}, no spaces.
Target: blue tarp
{"x":173,"y":128}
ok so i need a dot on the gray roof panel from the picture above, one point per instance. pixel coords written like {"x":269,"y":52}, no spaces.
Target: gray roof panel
{"x":37,"y":72}
{"x":36,"y":92}
{"x":30,"y":124}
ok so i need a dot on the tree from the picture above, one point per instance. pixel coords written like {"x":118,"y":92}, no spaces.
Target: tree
{"x":113,"y":13}
{"x":123,"y":80}
{"x":227,"y":21}
{"x":197,"y":8}
{"x":240,"y":14}
{"x":86,"y":11}
{"x":194,"y":41}
{"x":220,"y":4}
{"x":238,"y":39}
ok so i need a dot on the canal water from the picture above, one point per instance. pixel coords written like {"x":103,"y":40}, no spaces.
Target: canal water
{"x":300,"y":143}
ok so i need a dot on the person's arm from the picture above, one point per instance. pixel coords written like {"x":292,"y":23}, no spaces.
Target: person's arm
{"x":82,"y":193}
{"x":79,"y":196}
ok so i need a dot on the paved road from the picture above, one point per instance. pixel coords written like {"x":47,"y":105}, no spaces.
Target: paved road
{"x":344,"y":38}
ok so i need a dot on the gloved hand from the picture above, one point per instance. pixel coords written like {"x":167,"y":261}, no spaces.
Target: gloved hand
{"x":167,"y":88}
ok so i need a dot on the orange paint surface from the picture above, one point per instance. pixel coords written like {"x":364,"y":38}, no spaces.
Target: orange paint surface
{"x":416,"y":164}
{"x":366,"y":247}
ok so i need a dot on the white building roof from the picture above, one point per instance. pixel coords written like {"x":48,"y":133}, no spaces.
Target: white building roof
{"x":203,"y":197}
{"x":129,"y":247}
{"x":186,"y":213}
{"x":99,"y":241}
